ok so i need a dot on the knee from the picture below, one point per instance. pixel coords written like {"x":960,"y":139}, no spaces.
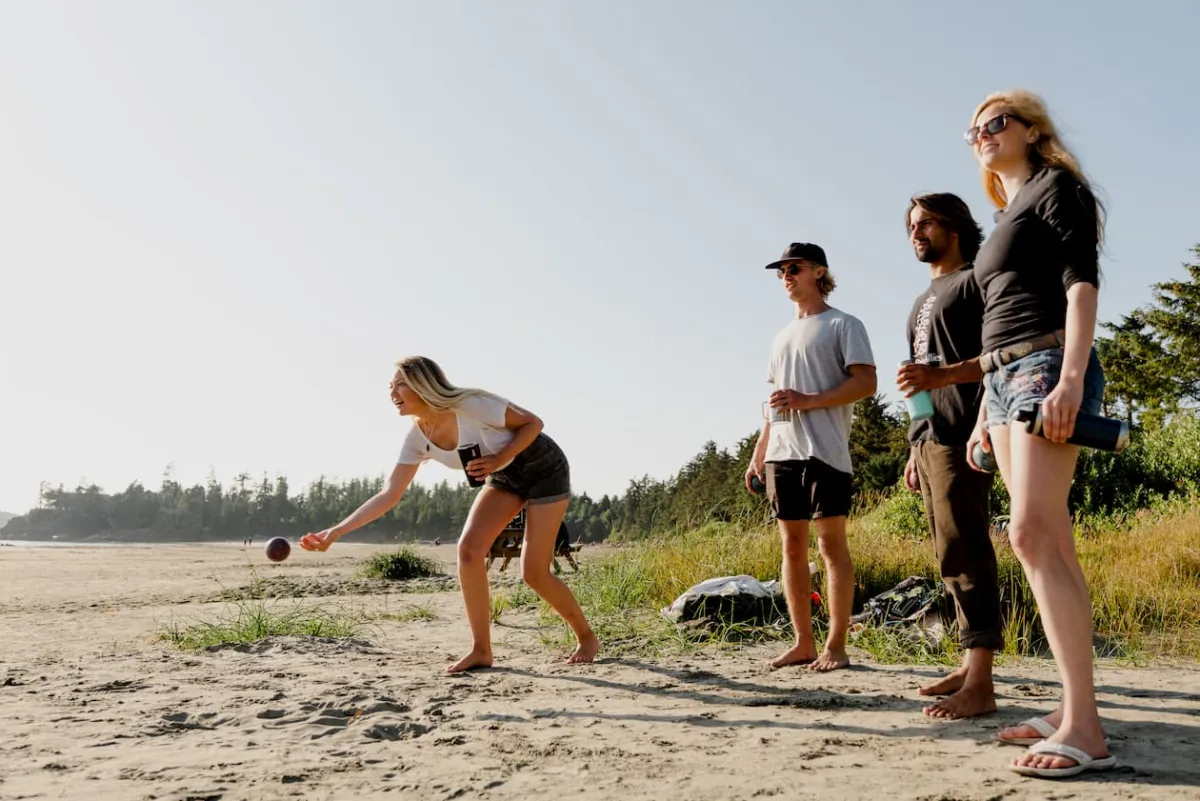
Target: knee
{"x":795,"y":547}
{"x":833,"y":548}
{"x":1032,"y":539}
{"x":470,"y":553}
{"x":534,"y":575}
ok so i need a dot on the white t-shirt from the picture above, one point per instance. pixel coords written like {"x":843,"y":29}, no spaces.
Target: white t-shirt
{"x":480,"y":420}
{"x":813,"y":354}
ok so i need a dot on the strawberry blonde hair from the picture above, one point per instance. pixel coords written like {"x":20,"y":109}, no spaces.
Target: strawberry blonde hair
{"x":1048,"y":151}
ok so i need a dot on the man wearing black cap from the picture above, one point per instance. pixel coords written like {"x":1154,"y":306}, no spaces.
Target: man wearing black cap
{"x":820,"y":365}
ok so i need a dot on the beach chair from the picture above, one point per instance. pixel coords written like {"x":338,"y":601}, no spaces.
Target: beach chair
{"x":508,"y":545}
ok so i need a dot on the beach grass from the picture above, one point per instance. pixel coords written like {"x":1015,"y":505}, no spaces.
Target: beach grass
{"x":400,"y":565}
{"x":1143,"y":572}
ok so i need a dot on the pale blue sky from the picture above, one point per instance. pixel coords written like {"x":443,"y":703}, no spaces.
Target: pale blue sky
{"x":222,"y":222}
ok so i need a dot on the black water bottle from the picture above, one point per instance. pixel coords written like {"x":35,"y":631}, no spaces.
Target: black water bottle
{"x":1091,"y":431}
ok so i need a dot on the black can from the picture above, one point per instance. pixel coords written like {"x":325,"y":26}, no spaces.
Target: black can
{"x":467,"y":453}
{"x":1091,"y":430}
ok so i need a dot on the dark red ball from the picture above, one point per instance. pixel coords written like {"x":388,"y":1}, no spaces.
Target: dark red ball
{"x":278,"y":549}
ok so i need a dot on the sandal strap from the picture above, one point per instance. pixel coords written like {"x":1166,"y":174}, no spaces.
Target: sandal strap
{"x":1040,"y":725}
{"x":1080,"y":756}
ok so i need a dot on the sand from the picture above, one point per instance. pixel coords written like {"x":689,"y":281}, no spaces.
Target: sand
{"x":93,"y":705}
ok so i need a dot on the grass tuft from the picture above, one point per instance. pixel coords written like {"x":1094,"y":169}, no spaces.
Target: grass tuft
{"x":249,"y":621}
{"x":248,"y":616}
{"x":409,"y":615}
{"x":399,"y":565}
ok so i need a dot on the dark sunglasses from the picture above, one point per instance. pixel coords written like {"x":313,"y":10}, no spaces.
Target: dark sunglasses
{"x":788,"y":269}
{"x":992,"y":127}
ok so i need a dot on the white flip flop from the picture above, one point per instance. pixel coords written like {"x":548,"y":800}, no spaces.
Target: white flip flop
{"x":1037,"y":724}
{"x":1083,"y":761}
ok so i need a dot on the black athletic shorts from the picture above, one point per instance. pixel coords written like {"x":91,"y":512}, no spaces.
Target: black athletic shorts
{"x":806,"y":489}
{"x":539,"y":474}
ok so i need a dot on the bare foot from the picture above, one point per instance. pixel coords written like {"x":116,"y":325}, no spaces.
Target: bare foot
{"x":968,"y":702}
{"x":586,"y":652}
{"x":830,"y":660}
{"x":473,"y":660}
{"x":796,"y":655}
{"x":1022,"y":731}
{"x":947,"y":685}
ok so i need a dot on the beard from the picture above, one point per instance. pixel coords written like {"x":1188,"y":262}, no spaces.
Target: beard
{"x":930,"y":254}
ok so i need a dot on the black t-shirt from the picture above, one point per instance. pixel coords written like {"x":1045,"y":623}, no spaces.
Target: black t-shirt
{"x":944,"y":329}
{"x":1044,"y":243}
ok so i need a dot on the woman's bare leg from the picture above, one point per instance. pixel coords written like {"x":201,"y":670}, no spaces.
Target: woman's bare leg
{"x":491,"y":512}
{"x":541,"y":530}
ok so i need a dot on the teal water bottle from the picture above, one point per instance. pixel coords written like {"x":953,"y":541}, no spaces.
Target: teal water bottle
{"x":920,"y":404}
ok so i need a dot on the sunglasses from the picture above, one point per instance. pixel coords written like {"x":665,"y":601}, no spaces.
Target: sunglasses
{"x":992,"y":127}
{"x":788,"y":269}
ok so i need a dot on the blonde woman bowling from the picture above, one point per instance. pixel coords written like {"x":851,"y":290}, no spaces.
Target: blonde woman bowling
{"x":501,"y":447}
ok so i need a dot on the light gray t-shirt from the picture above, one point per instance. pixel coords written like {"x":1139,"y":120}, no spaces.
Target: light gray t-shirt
{"x":813,"y":354}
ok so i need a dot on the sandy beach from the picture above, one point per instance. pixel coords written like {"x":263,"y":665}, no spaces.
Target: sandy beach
{"x":93,"y":705}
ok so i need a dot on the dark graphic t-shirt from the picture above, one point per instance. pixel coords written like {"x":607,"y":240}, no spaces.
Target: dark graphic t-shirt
{"x":944,"y":328}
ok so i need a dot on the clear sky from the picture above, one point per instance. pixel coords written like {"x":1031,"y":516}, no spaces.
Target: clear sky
{"x":221,"y":223}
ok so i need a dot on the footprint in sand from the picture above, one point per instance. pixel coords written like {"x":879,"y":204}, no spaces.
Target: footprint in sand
{"x":178,"y":722}
{"x":375,"y":718}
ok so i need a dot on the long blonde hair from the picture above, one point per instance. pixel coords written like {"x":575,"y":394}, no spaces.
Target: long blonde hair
{"x":426,"y":378}
{"x":1048,"y":151}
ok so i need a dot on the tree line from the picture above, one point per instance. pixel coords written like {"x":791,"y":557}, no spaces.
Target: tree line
{"x":1151,"y":358}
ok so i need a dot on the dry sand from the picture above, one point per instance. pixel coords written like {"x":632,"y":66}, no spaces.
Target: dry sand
{"x":93,"y":706}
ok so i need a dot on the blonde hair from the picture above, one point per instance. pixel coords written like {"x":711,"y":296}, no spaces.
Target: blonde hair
{"x":1048,"y":151}
{"x":426,"y":378}
{"x":826,"y":284}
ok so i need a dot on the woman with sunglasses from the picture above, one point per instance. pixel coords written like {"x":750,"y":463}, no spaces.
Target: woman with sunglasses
{"x":1039,"y":274}
{"x":519,"y":466}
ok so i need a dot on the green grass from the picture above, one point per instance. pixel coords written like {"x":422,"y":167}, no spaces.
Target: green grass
{"x":253,"y":619}
{"x":889,"y":646}
{"x":399,"y":565}
{"x":408,"y":615}
{"x":248,"y":616}
{"x":1143,"y":572}
{"x":517,"y":596}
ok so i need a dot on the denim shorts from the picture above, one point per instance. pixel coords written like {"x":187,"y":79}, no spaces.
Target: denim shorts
{"x":539,"y":474}
{"x":1021,"y":384}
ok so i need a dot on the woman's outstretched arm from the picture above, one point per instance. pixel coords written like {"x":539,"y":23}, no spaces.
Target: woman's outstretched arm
{"x":374,"y":507}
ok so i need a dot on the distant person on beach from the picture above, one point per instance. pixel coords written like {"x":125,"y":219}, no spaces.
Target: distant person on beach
{"x":1039,"y":272}
{"x":520,"y":467}
{"x":820,"y":365}
{"x":944,"y":336}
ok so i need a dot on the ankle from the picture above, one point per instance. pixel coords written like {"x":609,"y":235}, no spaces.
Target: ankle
{"x":836,"y":642}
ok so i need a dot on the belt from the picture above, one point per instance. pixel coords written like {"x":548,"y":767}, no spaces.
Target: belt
{"x":995,"y":359}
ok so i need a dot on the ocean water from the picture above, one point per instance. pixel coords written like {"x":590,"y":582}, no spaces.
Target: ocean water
{"x":91,"y":544}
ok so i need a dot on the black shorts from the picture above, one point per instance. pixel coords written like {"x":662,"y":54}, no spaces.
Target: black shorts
{"x":539,"y":474}
{"x":807,"y":489}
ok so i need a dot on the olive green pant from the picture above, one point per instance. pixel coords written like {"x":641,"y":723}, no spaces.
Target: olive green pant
{"x":957,"y":505}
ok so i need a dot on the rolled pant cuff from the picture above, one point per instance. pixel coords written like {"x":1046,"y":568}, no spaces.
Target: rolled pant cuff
{"x":990,"y":640}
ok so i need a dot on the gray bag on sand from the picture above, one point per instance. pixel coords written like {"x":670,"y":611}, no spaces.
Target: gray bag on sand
{"x":730,"y":599}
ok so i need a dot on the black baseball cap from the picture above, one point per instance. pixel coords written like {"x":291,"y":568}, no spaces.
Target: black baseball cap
{"x":798,"y":251}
